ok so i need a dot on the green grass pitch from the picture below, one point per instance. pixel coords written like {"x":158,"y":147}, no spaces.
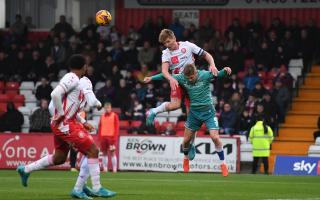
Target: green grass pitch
{"x":49,"y":185}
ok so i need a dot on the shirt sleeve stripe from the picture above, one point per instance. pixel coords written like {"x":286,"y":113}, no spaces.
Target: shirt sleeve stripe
{"x":200,"y":52}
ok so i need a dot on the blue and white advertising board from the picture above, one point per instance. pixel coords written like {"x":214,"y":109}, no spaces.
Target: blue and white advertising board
{"x":297,"y":165}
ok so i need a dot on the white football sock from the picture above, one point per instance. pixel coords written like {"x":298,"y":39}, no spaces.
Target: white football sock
{"x":94,"y":171}
{"x":83,"y":175}
{"x":39,"y":164}
{"x":105,"y":162}
{"x":114,"y":163}
{"x":161,"y":108}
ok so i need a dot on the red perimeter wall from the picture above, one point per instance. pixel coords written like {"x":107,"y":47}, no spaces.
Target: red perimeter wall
{"x":221,"y":18}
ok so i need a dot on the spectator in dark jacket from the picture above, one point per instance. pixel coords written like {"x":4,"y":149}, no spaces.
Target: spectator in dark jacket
{"x":281,"y":96}
{"x":63,"y":26}
{"x":244,"y":123}
{"x":227,"y":120}
{"x":12,"y":120}
{"x":40,"y":118}
{"x":106,"y":93}
{"x":44,"y":90}
{"x":258,"y":91}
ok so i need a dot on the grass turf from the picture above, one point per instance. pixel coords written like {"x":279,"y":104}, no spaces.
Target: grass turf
{"x":164,"y":186}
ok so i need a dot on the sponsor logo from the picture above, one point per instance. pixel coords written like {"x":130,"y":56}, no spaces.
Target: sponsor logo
{"x":146,"y":145}
{"x":304,"y":166}
{"x":183,"y":50}
{"x":207,"y":148}
{"x":10,"y":150}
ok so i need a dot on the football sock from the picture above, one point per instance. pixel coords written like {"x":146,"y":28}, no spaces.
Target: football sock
{"x":39,"y":164}
{"x":220,"y":154}
{"x":161,"y":108}
{"x":114,"y":163}
{"x":83,"y":175}
{"x":94,"y":171}
{"x":105,"y":162}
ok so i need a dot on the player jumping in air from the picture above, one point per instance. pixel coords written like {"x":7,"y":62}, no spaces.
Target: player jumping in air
{"x":175,"y":57}
{"x":197,"y":85}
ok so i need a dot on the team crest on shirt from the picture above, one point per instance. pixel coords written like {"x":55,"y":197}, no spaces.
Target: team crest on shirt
{"x":175,"y":60}
{"x":183,"y":50}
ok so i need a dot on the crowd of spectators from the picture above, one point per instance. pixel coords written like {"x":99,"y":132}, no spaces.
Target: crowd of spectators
{"x":257,"y":53}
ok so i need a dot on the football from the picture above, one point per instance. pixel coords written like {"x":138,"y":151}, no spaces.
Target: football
{"x":103,"y":17}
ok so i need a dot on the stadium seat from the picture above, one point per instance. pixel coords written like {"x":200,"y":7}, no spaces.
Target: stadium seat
{"x":18,"y":105}
{"x":175,"y":113}
{"x":117,"y":110}
{"x":136,"y":123}
{"x":12,"y":86}
{"x":4,"y":98}
{"x":99,"y":85}
{"x":27,"y":85}
{"x":295,"y":72}
{"x":296,"y":63}
{"x":180,"y":125}
{"x":18,"y":99}
{"x":165,"y":124}
{"x":3,"y":107}
{"x":26,"y":92}
{"x":25,"y":110}
{"x":12,"y":93}
{"x":124,"y":124}
{"x":314,"y":149}
{"x":2,"y":86}
{"x":160,"y":119}
{"x":54,"y":84}
{"x":173,"y":119}
{"x":157,"y":125}
{"x":180,"y":132}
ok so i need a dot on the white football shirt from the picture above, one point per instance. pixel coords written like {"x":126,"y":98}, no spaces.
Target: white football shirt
{"x":73,"y":97}
{"x":177,"y":59}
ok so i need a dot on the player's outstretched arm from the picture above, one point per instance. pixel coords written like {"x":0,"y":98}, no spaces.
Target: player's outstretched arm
{"x":224,"y":72}
{"x":157,"y":77}
{"x":212,"y":66}
{"x":165,"y":71}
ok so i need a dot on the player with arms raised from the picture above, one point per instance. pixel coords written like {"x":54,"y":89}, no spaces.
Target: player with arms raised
{"x":174,"y":58}
{"x":197,"y":85}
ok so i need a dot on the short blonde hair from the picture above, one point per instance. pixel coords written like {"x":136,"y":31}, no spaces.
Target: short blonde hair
{"x":165,"y":34}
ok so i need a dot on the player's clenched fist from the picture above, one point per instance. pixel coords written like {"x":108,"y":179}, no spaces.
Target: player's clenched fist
{"x":147,"y":79}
